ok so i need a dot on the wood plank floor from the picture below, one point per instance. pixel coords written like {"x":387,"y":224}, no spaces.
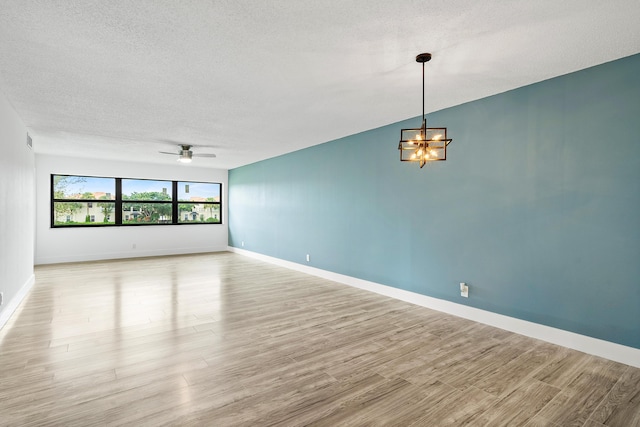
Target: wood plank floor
{"x":225,"y":340}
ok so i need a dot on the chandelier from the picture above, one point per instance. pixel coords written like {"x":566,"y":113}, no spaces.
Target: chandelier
{"x":423,"y":144}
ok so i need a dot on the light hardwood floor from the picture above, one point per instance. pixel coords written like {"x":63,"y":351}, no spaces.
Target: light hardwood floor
{"x":225,"y":340}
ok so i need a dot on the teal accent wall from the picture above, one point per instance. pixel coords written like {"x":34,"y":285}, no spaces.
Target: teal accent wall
{"x":537,"y":207}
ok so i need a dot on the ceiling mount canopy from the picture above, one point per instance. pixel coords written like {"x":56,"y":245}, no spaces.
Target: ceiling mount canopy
{"x":423,"y":144}
{"x":423,"y":57}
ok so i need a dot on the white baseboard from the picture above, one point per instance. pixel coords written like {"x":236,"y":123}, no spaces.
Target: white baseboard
{"x":14,"y":303}
{"x":597,"y":347}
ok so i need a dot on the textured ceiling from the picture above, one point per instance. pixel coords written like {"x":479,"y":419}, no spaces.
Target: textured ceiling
{"x":118,"y":79}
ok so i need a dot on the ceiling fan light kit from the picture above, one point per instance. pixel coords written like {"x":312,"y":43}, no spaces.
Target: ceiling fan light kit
{"x":423,"y":144}
{"x":185,"y":156}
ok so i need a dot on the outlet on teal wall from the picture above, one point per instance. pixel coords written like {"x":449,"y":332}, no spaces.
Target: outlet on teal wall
{"x":537,"y":206}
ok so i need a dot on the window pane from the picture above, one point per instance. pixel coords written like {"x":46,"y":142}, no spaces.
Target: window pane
{"x":81,"y":213}
{"x":83,"y":187}
{"x":146,"y":213}
{"x":146,"y":189}
{"x":198,"y":213}
{"x":198,"y":192}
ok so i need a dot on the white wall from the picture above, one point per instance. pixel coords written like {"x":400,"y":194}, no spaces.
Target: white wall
{"x":54,"y":245}
{"x":17,"y":210}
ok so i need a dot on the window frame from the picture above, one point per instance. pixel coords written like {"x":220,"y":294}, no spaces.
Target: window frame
{"x":119,"y":202}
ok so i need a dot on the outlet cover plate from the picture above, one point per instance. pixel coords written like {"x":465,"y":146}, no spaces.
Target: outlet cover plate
{"x":464,"y":290}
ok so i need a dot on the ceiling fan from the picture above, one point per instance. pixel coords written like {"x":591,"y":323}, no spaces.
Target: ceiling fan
{"x":185,"y":154}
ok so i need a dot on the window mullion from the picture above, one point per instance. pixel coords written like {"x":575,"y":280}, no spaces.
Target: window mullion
{"x":118,"y":207}
{"x":174,"y":203}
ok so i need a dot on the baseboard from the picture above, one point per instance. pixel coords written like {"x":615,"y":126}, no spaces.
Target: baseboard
{"x":124,"y":255}
{"x":594,"y":346}
{"x":14,"y":303}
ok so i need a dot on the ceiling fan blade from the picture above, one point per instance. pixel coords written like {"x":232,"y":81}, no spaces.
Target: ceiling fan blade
{"x":203,"y":146}
{"x":180,"y":143}
{"x":203,"y":155}
{"x":166,"y":152}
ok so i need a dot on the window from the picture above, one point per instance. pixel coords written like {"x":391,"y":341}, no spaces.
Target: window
{"x":200,"y":201}
{"x":151,"y":201}
{"x":73,"y":199}
{"x":94,"y":201}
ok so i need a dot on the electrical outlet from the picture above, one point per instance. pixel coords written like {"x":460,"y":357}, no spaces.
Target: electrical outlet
{"x":464,"y":290}
{"x":1,"y":298}
{"x":308,"y":258}
{"x":133,"y":246}
{"x":242,"y":243}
